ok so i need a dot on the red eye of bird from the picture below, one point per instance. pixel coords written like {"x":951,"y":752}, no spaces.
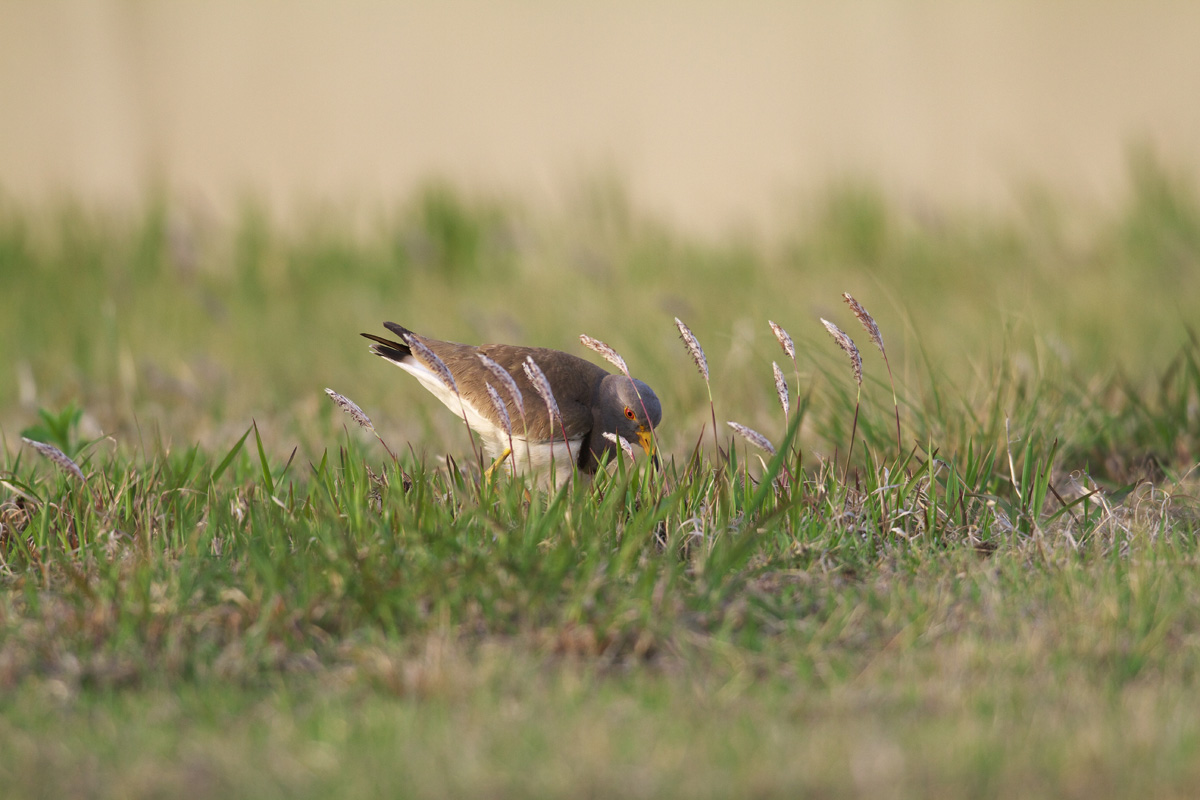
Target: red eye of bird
{"x":629,"y":413}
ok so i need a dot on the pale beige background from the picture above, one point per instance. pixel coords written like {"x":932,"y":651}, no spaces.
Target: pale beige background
{"x":713,"y":113}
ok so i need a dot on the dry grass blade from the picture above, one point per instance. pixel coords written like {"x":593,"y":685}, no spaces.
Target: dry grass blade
{"x":351,"y":408}
{"x":781,"y":389}
{"x":785,"y":341}
{"x":58,"y":457}
{"x":847,"y":344}
{"x":431,"y":360}
{"x":693,"y":347}
{"x":753,"y":437}
{"x":610,"y":355}
{"x":621,"y":442}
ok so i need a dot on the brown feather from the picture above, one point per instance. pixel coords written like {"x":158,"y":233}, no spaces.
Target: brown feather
{"x":573,"y":380}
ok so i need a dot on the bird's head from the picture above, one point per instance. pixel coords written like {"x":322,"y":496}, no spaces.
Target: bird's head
{"x":630,"y":409}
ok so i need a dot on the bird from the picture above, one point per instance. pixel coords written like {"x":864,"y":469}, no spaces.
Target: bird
{"x":591,"y":402}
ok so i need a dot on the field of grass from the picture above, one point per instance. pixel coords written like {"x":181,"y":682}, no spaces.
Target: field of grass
{"x":242,"y":594}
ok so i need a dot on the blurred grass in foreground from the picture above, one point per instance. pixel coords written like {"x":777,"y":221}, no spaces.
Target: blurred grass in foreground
{"x":1004,"y":604}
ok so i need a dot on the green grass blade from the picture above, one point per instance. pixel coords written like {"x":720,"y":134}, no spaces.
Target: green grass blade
{"x":767,"y":481}
{"x":228,"y":459}
{"x":268,"y":481}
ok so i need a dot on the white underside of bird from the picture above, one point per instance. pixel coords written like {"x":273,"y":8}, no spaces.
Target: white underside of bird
{"x":552,"y":465}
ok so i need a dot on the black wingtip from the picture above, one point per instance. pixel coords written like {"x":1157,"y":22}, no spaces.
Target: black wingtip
{"x":386,"y":348}
{"x":399,"y":330}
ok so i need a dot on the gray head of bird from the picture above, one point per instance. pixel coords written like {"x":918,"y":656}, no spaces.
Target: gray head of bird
{"x":629,"y":409}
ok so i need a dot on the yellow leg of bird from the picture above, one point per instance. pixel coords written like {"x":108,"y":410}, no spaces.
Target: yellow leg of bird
{"x":503,"y":456}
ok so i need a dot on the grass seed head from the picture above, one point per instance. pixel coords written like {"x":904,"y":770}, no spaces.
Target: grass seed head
{"x":507,"y":381}
{"x":610,"y":355}
{"x":847,"y":344}
{"x":541,"y":385}
{"x":621,"y":442}
{"x":431,"y":360}
{"x":780,"y":386}
{"x":753,"y":437}
{"x":58,"y":457}
{"x":501,"y":409}
{"x":868,"y":322}
{"x":693,"y":346}
{"x":785,"y":341}
{"x":351,"y":408}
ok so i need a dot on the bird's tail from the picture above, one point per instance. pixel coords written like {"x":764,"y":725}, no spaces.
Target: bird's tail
{"x":386,"y":348}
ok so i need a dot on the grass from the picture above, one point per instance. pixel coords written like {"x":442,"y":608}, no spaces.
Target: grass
{"x":249,"y":595}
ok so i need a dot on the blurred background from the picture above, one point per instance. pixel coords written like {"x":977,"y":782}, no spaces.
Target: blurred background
{"x":712,"y":113}
{"x":202,"y":202}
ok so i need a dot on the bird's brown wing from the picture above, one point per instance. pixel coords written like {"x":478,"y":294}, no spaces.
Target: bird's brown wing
{"x":572,"y":380}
